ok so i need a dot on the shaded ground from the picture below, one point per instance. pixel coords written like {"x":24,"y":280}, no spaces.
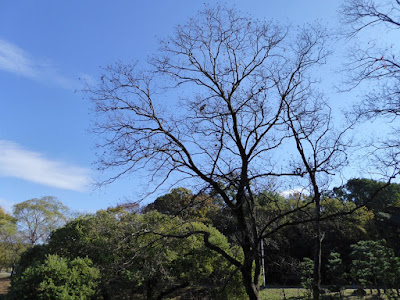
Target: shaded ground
{"x":266,"y":294}
{"x":4,"y":284}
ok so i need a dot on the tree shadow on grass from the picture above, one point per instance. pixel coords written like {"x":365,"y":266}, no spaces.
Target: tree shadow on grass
{"x":4,"y":287}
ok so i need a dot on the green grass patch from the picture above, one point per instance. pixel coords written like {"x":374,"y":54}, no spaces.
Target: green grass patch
{"x":301,"y":294}
{"x":280,"y":293}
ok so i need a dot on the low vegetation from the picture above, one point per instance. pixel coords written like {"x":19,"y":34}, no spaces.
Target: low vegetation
{"x":160,"y":252}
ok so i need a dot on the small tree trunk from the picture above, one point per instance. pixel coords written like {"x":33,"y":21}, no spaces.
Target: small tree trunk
{"x":377,"y":286}
{"x":317,"y":248}
{"x":341,"y":294}
{"x":317,"y":269}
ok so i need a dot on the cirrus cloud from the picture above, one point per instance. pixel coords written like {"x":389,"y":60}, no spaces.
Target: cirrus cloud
{"x":32,"y":166}
{"x":15,"y":60}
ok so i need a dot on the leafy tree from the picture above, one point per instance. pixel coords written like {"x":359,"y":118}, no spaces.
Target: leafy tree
{"x":383,"y":202}
{"x":372,"y":263}
{"x":11,"y":244}
{"x":152,"y":255}
{"x":37,"y":218}
{"x":57,"y":278}
{"x":5,"y":218}
{"x":336,"y":272}
{"x":31,"y":256}
{"x":183,"y":203}
{"x":7,"y":230}
{"x":376,"y":195}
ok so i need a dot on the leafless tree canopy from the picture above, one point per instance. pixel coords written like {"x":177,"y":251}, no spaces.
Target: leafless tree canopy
{"x":212,"y":98}
{"x":374,"y":66}
{"x":360,"y":14}
{"x":220,"y":103}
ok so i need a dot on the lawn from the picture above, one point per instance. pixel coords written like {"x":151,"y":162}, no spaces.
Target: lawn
{"x":4,"y":283}
{"x":300,"y":294}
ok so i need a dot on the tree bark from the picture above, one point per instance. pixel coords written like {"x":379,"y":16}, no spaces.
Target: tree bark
{"x":251,"y":265}
{"x":317,"y":250}
{"x":252,"y":289}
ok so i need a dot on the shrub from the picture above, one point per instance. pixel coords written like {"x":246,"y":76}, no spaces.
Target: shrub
{"x":57,"y":278}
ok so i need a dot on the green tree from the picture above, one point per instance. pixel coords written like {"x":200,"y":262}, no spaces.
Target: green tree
{"x":336,"y":272}
{"x":382,"y":201}
{"x":7,"y":231}
{"x":152,"y":255}
{"x":372,"y":264}
{"x":183,"y":203}
{"x":11,"y":244}
{"x":375,"y":195}
{"x":37,"y":218}
{"x":57,"y":278}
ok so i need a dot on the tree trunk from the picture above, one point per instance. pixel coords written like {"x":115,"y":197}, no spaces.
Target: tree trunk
{"x":317,"y":268}
{"x":317,"y":249}
{"x":251,"y":271}
{"x":252,"y":290}
{"x":250,"y":247}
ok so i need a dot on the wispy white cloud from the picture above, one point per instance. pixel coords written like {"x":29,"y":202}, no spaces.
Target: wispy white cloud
{"x":15,"y":60}
{"x":32,"y":166}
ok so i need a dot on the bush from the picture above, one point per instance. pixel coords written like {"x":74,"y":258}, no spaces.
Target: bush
{"x":135,"y":262}
{"x":57,"y":278}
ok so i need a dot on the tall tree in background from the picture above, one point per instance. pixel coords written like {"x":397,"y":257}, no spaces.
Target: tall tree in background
{"x":361,"y":190}
{"x":37,"y":218}
{"x":376,"y":63}
{"x":233,"y":76}
{"x":321,"y":152}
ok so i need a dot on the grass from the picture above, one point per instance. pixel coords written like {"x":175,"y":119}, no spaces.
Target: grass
{"x":4,"y":284}
{"x":301,"y":294}
{"x":4,"y":275}
{"x":278,"y":293}
{"x":266,"y":294}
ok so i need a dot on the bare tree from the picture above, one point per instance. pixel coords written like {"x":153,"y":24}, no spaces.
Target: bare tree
{"x":322,"y":153}
{"x":236,"y":79}
{"x":375,"y":66}
{"x":361,"y":14}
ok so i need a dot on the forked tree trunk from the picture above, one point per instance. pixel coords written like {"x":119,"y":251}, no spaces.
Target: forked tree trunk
{"x":252,"y":289}
{"x":251,"y":268}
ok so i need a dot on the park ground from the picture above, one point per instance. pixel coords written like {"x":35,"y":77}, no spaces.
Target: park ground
{"x":300,"y":294}
{"x":4,"y":284}
{"x":267,"y":294}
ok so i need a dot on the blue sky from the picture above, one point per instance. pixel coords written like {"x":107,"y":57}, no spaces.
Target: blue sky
{"x":46,"y":46}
